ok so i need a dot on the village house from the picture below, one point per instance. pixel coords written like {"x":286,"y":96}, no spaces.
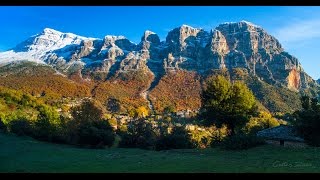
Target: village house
{"x":283,"y":135}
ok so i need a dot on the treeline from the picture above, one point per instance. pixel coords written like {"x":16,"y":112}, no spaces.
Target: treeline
{"x":55,"y":86}
{"x":228,"y":118}
{"x":86,"y":127}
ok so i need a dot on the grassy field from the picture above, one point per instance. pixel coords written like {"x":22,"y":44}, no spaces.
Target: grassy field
{"x":22,"y":154}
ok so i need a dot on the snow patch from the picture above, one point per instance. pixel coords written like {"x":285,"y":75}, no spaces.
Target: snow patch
{"x":187,"y":26}
{"x":242,"y":21}
{"x":250,"y":23}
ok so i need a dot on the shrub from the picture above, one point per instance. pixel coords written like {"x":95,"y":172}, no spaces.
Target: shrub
{"x":242,"y":141}
{"x":142,"y":112}
{"x":113,"y":122}
{"x":21,"y":127}
{"x":113,"y":105}
{"x":88,"y":128}
{"x":97,"y":134}
{"x":122,"y":129}
{"x":167,"y":118}
{"x":219,"y":134}
{"x":46,"y":124}
{"x":61,"y":131}
{"x":140,"y":134}
{"x":87,"y":112}
{"x":203,"y":137}
{"x":263,"y":121}
{"x":165,"y":143}
{"x":169,"y":109}
{"x":2,"y":125}
{"x":178,"y":139}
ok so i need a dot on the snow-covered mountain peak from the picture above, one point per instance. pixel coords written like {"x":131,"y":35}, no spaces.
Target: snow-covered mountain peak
{"x":49,"y":40}
{"x":113,"y":41}
{"x":149,"y":36}
{"x":148,"y":32}
{"x":51,"y":31}
{"x":39,"y":46}
{"x":187,"y":26}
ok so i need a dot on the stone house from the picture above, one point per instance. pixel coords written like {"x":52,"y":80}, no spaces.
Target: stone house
{"x":283,"y":135}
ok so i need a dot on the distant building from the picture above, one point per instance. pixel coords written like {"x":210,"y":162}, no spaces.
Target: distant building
{"x":282,"y":135}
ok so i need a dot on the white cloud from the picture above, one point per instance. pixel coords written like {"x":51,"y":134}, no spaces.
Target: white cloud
{"x":299,"y":31}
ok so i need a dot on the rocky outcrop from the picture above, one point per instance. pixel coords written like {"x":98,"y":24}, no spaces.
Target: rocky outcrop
{"x":186,"y":45}
{"x":294,"y":80}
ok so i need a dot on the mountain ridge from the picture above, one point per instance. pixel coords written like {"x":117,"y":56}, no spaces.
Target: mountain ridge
{"x":242,"y":49}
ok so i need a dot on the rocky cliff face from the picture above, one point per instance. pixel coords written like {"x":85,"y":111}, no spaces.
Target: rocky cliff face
{"x":228,"y":46}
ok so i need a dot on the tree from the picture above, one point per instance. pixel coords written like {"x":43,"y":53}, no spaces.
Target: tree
{"x":142,"y":112}
{"x":308,"y":120}
{"x":21,"y":127}
{"x":305,"y":102}
{"x":2,"y":125}
{"x":47,"y":123}
{"x":179,"y":138}
{"x":169,"y":109}
{"x":226,"y":103}
{"x":88,"y":127}
{"x":87,"y":112}
{"x":140,"y":134}
{"x":113,"y":105}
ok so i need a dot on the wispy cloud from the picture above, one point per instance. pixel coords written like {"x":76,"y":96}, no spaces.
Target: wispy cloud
{"x":299,"y":31}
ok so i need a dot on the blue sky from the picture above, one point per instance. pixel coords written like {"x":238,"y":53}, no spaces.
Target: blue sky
{"x":297,"y":28}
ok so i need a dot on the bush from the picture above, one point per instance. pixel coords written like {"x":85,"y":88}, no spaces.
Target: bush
{"x":97,"y":134}
{"x":263,"y":121}
{"x":113,"y":122}
{"x":140,"y":134}
{"x":44,"y":129}
{"x":169,"y":109}
{"x":165,"y":143}
{"x":242,"y":141}
{"x":21,"y":127}
{"x":203,"y":137}
{"x":122,"y":129}
{"x":60,"y":134}
{"x":2,"y":125}
{"x":178,"y":139}
{"x":88,"y":128}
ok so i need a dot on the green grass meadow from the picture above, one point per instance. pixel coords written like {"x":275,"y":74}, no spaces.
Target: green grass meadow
{"x":24,"y":154}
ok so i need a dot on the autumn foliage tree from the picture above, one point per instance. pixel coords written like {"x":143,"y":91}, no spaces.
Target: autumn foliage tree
{"x":89,"y":128}
{"x":227,"y":103}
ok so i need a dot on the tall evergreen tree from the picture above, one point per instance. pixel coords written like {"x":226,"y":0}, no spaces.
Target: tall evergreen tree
{"x":227,"y":103}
